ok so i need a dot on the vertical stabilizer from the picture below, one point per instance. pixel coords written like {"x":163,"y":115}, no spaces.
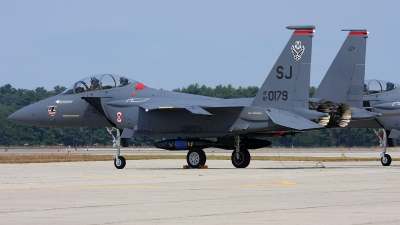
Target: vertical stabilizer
{"x":344,"y":81}
{"x":288,"y":82}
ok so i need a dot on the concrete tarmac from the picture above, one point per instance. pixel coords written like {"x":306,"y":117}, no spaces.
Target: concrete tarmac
{"x":161,"y":192}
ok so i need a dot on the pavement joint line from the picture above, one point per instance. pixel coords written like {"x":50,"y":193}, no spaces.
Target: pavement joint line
{"x":254,"y":211}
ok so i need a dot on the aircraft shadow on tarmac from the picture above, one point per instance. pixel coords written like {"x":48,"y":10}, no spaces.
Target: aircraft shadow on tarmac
{"x":284,"y":167}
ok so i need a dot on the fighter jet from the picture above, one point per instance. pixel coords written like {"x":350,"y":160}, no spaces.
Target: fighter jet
{"x":190,"y":122}
{"x":382,"y":97}
{"x":353,"y":102}
{"x":342,"y":87}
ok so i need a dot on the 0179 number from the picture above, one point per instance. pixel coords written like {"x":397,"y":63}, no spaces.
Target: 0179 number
{"x":275,"y":95}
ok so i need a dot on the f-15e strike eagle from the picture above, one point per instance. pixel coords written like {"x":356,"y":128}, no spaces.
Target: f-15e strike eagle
{"x":190,"y":122}
{"x":183,"y":121}
{"x":358,"y":103}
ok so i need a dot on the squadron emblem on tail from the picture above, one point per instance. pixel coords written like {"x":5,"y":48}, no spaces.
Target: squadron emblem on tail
{"x":297,"y":50}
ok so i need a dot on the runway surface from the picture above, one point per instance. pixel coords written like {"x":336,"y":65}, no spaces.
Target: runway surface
{"x":161,"y":192}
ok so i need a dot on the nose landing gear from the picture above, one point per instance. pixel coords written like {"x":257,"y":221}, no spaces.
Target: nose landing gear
{"x":119,"y":161}
{"x":386,"y":159}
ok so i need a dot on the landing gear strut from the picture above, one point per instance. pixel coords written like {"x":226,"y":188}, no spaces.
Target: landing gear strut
{"x":386,"y":160}
{"x":196,"y":158}
{"x":119,"y":161}
{"x":241,"y":155}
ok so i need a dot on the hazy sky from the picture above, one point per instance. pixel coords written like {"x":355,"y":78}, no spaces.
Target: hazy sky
{"x":172,"y":44}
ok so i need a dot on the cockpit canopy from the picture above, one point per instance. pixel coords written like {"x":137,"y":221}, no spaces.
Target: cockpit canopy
{"x":98,"y":82}
{"x":378,"y":86}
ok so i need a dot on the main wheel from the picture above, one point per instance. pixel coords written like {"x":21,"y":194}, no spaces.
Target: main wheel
{"x":196,"y":158}
{"x":386,"y":160}
{"x":119,"y":162}
{"x":244,"y":158}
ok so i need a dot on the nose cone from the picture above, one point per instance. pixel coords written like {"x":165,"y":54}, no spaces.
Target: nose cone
{"x":26,"y":115}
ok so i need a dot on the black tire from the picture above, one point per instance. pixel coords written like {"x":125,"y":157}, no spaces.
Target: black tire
{"x":386,"y":160}
{"x":244,"y":158}
{"x":196,"y":158}
{"x":119,"y":164}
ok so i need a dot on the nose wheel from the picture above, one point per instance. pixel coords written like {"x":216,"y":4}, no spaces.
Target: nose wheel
{"x":386,"y":160}
{"x":119,"y":162}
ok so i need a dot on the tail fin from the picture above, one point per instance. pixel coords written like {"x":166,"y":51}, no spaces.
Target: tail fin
{"x":288,"y":83}
{"x":344,"y":81}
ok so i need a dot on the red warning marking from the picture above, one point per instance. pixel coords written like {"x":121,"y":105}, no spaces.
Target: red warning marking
{"x":355,"y":33}
{"x":280,"y":134}
{"x":139,"y":86}
{"x":303,"y":32}
{"x":119,"y":117}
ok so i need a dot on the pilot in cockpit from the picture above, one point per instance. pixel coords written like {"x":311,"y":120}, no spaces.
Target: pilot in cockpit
{"x":80,"y":87}
{"x":94,"y":83}
{"x":123,"y":81}
{"x":389,"y":86}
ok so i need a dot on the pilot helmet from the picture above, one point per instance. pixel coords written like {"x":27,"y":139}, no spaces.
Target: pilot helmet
{"x":94,"y":80}
{"x":123,"y":80}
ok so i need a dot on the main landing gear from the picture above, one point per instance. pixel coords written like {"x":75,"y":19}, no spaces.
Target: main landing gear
{"x":196,"y":158}
{"x":386,"y":160}
{"x":119,"y":161}
{"x":241,"y":161}
{"x":241,"y":155}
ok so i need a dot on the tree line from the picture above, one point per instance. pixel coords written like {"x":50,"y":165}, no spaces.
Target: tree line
{"x":13,"y":134}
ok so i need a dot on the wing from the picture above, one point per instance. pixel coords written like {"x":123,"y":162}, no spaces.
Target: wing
{"x":195,"y":106}
{"x":195,"y":109}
